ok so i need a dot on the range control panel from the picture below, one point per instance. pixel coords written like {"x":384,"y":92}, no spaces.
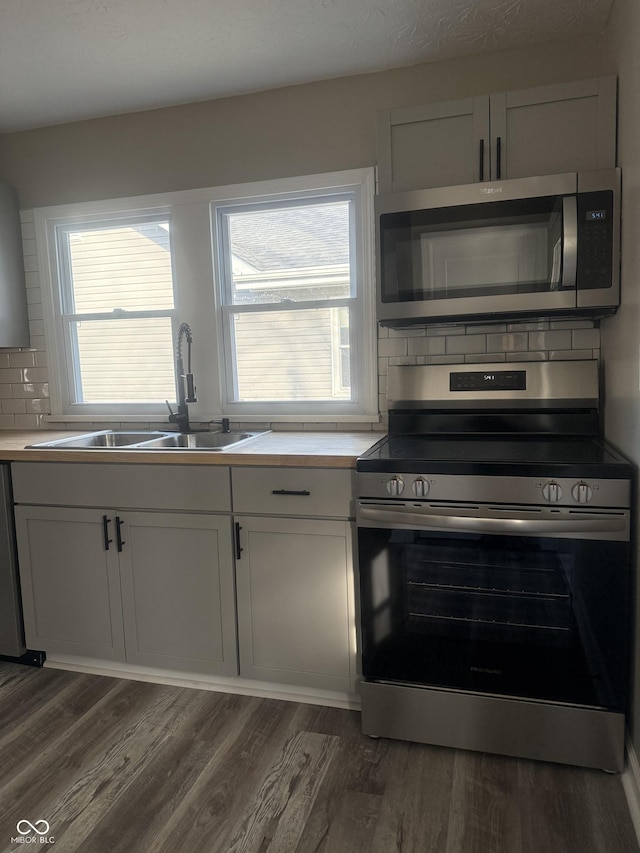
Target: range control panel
{"x":562,"y":491}
{"x":488,"y":380}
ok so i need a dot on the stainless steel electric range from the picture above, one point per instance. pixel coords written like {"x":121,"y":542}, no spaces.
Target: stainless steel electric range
{"x":494,"y":564}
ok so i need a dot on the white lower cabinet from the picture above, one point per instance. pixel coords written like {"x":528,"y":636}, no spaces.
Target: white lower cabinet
{"x":151,"y":588}
{"x":70,"y":582}
{"x":154,"y":582}
{"x":294,"y":601}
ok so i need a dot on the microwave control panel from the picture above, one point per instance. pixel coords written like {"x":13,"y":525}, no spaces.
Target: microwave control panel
{"x":595,"y":240}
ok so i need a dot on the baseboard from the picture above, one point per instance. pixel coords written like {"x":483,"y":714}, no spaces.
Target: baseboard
{"x":631,"y":784}
{"x":220,"y":684}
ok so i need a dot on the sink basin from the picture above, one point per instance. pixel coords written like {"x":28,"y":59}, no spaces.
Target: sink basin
{"x":200,"y":441}
{"x":100,"y":440}
{"x":149,"y":440}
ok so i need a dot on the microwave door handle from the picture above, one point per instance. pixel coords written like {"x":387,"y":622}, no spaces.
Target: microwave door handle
{"x":569,"y":242}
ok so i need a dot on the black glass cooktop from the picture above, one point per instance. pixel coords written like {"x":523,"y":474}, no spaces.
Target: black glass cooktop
{"x":571,"y":456}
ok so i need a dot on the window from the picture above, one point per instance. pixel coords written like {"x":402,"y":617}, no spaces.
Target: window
{"x":279,"y":296}
{"x":291,"y":290}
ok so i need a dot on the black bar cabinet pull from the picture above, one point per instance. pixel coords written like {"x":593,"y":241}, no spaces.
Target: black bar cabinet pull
{"x":302,"y":492}
{"x":239,"y":548}
{"x":105,"y":530}
{"x":481,"y":170}
{"x":498,"y":158}
{"x":120,"y":540}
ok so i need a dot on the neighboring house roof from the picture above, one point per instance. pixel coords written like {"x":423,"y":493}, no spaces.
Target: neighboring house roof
{"x":291,"y":238}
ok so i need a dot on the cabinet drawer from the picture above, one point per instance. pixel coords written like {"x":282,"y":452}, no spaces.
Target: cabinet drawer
{"x":178,"y":487}
{"x":293,"y":491}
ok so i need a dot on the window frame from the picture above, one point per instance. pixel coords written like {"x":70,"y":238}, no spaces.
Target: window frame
{"x":357,"y":187}
{"x":58,"y":295}
{"x":197,"y":301}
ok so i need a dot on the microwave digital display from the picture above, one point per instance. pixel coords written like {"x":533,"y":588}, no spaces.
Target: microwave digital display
{"x":596,"y":215}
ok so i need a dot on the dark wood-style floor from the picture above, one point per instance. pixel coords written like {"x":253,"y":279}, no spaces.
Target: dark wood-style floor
{"x":117,"y":765}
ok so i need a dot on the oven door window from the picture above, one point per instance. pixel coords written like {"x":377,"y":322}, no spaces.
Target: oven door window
{"x":507,"y":247}
{"x":517,"y":616}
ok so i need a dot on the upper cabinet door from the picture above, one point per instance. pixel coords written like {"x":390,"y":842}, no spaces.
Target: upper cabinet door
{"x":544,"y":131}
{"x":553,"y":129}
{"x":434,"y":145}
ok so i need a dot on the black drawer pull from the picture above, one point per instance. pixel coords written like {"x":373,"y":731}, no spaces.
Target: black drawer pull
{"x":499,"y":158}
{"x":239,"y":548}
{"x":120,"y":540}
{"x":105,"y":530}
{"x":301,"y":493}
{"x":481,"y":170}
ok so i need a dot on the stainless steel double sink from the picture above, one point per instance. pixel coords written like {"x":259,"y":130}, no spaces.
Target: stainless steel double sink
{"x":111,"y":439}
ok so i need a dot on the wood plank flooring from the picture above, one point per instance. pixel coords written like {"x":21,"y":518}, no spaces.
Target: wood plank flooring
{"x":117,"y":765}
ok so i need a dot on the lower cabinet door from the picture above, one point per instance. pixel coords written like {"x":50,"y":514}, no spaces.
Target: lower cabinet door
{"x":70,"y":581}
{"x":178,"y":594}
{"x":295,"y":601}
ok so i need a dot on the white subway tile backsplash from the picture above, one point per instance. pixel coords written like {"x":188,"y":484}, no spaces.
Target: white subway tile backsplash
{"x":388,"y":347}
{"x":11,"y":406}
{"x":29,"y":246}
{"x":22,"y":359}
{"x":571,"y":324}
{"x":466,"y":344}
{"x":585,"y":338}
{"x":570,"y":355}
{"x":445,"y":330}
{"x":25,"y":390}
{"x":11,"y":375}
{"x":426,"y":346}
{"x":493,"y":328}
{"x":28,"y":230}
{"x":512,"y":342}
{"x":484,"y":357}
{"x":35,"y":374}
{"x":38,"y":406}
{"x":36,"y":327}
{"x":526,"y":356}
{"x":35,"y":310}
{"x":531,"y":325}
{"x":550,"y":340}
{"x":30,"y":263}
{"x":406,"y":333}
{"x":31,"y":421}
{"x":32,"y":278}
{"x":442,"y":359}
{"x":405,"y":359}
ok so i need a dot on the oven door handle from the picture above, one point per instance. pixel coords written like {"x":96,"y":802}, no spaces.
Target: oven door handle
{"x":578,"y":524}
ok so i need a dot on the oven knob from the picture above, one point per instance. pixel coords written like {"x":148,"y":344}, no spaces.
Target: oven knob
{"x":420,"y":487}
{"x":395,"y":486}
{"x":582,"y":493}
{"x":552,"y":492}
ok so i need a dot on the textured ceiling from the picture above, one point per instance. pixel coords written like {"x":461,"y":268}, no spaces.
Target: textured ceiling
{"x":64,"y":60}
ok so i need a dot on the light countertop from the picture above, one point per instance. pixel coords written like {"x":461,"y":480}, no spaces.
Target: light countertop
{"x":292,"y":449}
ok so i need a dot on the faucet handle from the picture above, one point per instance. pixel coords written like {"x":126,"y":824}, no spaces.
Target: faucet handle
{"x":191,"y":389}
{"x":173,"y":416}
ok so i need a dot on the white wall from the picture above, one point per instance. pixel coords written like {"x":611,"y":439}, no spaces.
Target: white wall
{"x":621,"y":333}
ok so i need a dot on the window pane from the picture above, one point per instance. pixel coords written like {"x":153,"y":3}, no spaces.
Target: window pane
{"x":290,"y":254}
{"x":292,"y":355}
{"x":124,"y":360}
{"x":126,"y":267}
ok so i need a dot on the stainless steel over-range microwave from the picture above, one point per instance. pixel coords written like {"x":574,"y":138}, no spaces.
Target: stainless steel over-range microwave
{"x":500,"y":250}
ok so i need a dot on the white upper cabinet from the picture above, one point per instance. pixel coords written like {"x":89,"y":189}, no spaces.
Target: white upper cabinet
{"x":543,"y":131}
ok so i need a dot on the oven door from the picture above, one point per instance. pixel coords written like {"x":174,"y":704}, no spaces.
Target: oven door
{"x":508,"y":248}
{"x":463,"y":602}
